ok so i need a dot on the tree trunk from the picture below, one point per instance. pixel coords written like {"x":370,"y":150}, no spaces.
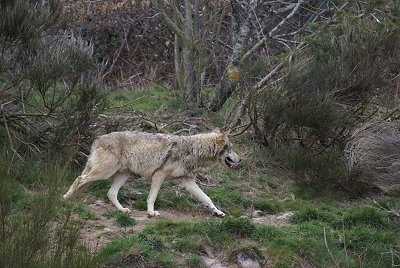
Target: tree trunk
{"x":185,"y":47}
{"x":188,"y":56}
{"x":243,"y":14}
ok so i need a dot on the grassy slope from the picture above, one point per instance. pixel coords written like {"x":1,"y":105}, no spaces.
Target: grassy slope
{"x":326,"y":230}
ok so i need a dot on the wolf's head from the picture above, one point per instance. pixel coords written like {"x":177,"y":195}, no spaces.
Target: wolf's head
{"x":226,"y":155}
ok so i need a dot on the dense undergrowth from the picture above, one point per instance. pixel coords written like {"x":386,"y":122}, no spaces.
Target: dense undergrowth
{"x":330,"y":229}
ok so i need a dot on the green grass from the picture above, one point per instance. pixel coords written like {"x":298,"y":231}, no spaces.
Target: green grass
{"x":124,"y":220}
{"x":318,"y":235}
{"x":83,"y":212}
{"x":100,"y":188}
{"x":194,"y":260}
{"x":145,"y":100}
{"x":267,"y":205}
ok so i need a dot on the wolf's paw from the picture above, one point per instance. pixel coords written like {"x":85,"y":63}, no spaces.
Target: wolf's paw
{"x":125,"y":210}
{"x":153,"y":213}
{"x":66,"y":196}
{"x":218,"y":213}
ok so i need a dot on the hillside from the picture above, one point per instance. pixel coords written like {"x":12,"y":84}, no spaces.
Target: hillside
{"x":271,"y":222}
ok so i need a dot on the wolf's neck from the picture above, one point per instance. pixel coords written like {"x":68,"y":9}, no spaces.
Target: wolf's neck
{"x":203,"y":147}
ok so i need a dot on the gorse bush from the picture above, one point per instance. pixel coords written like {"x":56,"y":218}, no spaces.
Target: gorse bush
{"x":50,"y":89}
{"x":329,"y":88}
{"x":34,"y":231}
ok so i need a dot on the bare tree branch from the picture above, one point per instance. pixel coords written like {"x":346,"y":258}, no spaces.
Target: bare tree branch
{"x":242,"y":108}
{"x":273,"y":31}
{"x":173,"y":27}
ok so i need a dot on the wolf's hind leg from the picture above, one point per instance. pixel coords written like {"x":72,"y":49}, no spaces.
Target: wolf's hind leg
{"x":102,"y":170}
{"x":119,"y":179}
{"x":72,"y":189}
{"x":191,"y":186}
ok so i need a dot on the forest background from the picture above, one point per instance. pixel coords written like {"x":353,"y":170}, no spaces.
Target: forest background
{"x":309,"y":90}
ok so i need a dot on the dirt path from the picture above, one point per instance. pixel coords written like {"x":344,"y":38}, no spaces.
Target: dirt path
{"x":102,"y":230}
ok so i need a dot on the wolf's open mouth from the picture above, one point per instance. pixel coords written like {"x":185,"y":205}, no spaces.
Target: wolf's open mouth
{"x":230,"y":163}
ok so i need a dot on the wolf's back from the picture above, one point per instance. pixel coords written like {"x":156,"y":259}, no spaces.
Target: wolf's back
{"x":141,"y":153}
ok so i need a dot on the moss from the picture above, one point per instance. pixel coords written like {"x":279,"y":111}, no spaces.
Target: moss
{"x":233,"y":73}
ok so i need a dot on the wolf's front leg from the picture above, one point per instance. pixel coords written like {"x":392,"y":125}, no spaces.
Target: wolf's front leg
{"x":156,"y":182}
{"x":191,"y":186}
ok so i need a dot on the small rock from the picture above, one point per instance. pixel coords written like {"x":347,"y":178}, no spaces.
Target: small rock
{"x":99,"y":202}
{"x":285,"y":216}
{"x":257,"y":213}
{"x":212,"y":263}
{"x":247,"y":262}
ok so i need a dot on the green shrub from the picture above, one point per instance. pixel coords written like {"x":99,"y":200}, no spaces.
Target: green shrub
{"x":320,"y":170}
{"x":328,"y":88}
{"x":35,"y":229}
{"x":51,"y":87}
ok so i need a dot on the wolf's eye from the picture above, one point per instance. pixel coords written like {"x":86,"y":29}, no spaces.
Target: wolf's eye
{"x":223,"y":150}
{"x":228,"y":146}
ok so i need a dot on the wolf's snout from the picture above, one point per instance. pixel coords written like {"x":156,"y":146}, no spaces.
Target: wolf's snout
{"x":232,"y":161}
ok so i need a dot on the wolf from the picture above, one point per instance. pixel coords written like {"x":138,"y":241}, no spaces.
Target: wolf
{"x":156,"y":157}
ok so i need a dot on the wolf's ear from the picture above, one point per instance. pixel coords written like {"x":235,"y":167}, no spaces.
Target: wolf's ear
{"x":226,"y":133}
{"x":216,"y":130}
{"x":222,"y":138}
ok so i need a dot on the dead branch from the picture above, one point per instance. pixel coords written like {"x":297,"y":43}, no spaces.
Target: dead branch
{"x":392,"y":211}
{"x":242,"y":108}
{"x":329,"y":251}
{"x":273,"y":31}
